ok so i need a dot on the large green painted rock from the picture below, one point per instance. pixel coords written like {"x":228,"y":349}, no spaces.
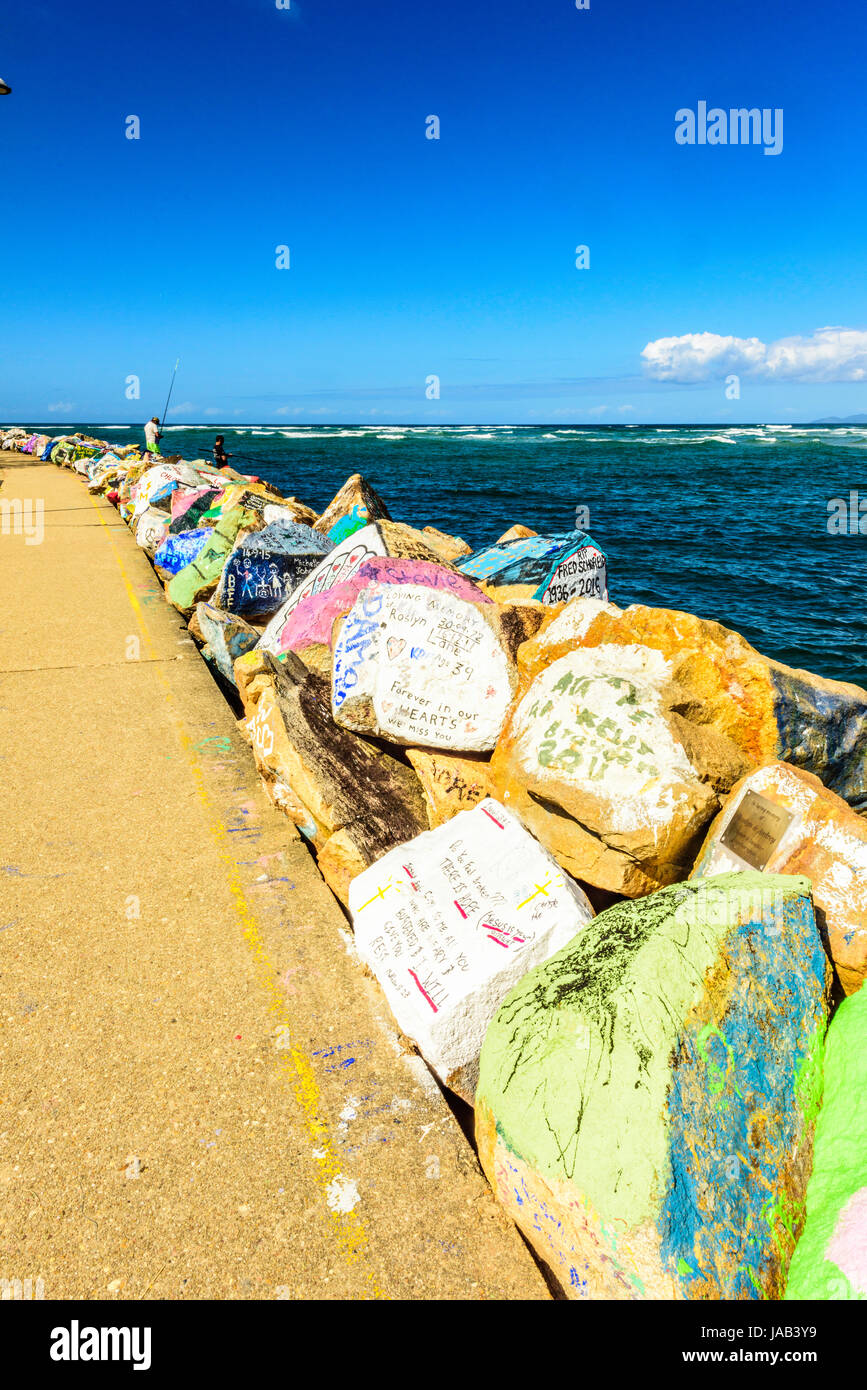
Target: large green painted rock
{"x":831,"y":1258}
{"x":647,"y":1098}
{"x":199,"y":579}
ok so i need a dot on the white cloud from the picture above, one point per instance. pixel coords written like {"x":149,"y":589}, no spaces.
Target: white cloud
{"x":701,"y":356}
{"x":185,"y":408}
{"x":828,"y":354}
{"x":64,"y":407}
{"x":626,"y":410}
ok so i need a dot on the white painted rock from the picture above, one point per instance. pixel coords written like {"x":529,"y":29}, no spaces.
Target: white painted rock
{"x":452,"y":920}
{"x":593,"y":759}
{"x":151,"y":529}
{"x":422,"y":667}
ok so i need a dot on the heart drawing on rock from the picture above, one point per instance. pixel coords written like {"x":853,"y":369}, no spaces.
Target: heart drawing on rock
{"x":395,"y":647}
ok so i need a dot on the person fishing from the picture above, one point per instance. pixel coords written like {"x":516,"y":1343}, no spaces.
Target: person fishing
{"x":152,"y":436}
{"x":221,"y":458}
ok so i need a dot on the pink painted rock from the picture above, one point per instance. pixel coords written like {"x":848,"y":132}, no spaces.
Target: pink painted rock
{"x":310,"y":623}
{"x":183,"y":499}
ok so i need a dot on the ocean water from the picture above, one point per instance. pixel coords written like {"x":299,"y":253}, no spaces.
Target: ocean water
{"x":728,"y":523}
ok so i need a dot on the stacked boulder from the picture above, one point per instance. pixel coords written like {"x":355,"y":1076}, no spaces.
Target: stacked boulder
{"x":630,"y":726}
{"x":452,"y":920}
{"x":647,"y":1098}
{"x":783,"y":820}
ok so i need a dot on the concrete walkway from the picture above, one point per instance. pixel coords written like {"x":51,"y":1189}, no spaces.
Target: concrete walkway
{"x":201,"y":1095}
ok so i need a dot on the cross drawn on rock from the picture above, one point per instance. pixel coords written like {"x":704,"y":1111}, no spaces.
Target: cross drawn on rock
{"x":380,"y":893}
{"x":540,"y":888}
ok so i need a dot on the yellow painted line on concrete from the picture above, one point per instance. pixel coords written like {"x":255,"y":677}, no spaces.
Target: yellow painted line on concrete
{"x":296,"y":1065}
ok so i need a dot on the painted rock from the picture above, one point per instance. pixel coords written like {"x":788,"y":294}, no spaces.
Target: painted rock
{"x":550,"y":569}
{"x":311,"y":621}
{"x":226,"y":637}
{"x":450,"y":922}
{"x":647,"y":1098}
{"x":253,"y":673}
{"x":345,"y":783}
{"x":421,"y":666}
{"x":180,"y":549}
{"x":189,"y":505}
{"x":252,"y":498}
{"x":161,"y":480}
{"x":151,"y":526}
{"x":199,"y":578}
{"x":771,"y":712}
{"x":383,"y":538}
{"x":355,"y":506}
{"x":278,"y":765}
{"x":265,"y":567}
{"x":601,"y":767}
{"x":289,"y":509}
{"x":784,"y":820}
{"x":451,"y":783}
{"x":830,"y":1261}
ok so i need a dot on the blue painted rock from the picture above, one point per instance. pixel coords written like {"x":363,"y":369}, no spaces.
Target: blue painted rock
{"x":226,"y":636}
{"x":356,"y":505}
{"x":549,"y":569}
{"x":830,"y":1261}
{"x":647,"y":1098}
{"x":180,"y":549}
{"x":266,"y":567}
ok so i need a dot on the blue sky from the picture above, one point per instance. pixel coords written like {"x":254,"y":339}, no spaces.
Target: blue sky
{"x":410,"y":258}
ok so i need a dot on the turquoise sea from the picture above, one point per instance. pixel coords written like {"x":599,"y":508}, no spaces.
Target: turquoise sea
{"x":728,"y":523}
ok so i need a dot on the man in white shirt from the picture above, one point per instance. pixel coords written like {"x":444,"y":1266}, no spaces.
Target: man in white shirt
{"x":152,"y":436}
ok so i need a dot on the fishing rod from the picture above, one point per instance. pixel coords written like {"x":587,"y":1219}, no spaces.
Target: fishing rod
{"x":171,"y":389}
{"x":248,"y":458}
